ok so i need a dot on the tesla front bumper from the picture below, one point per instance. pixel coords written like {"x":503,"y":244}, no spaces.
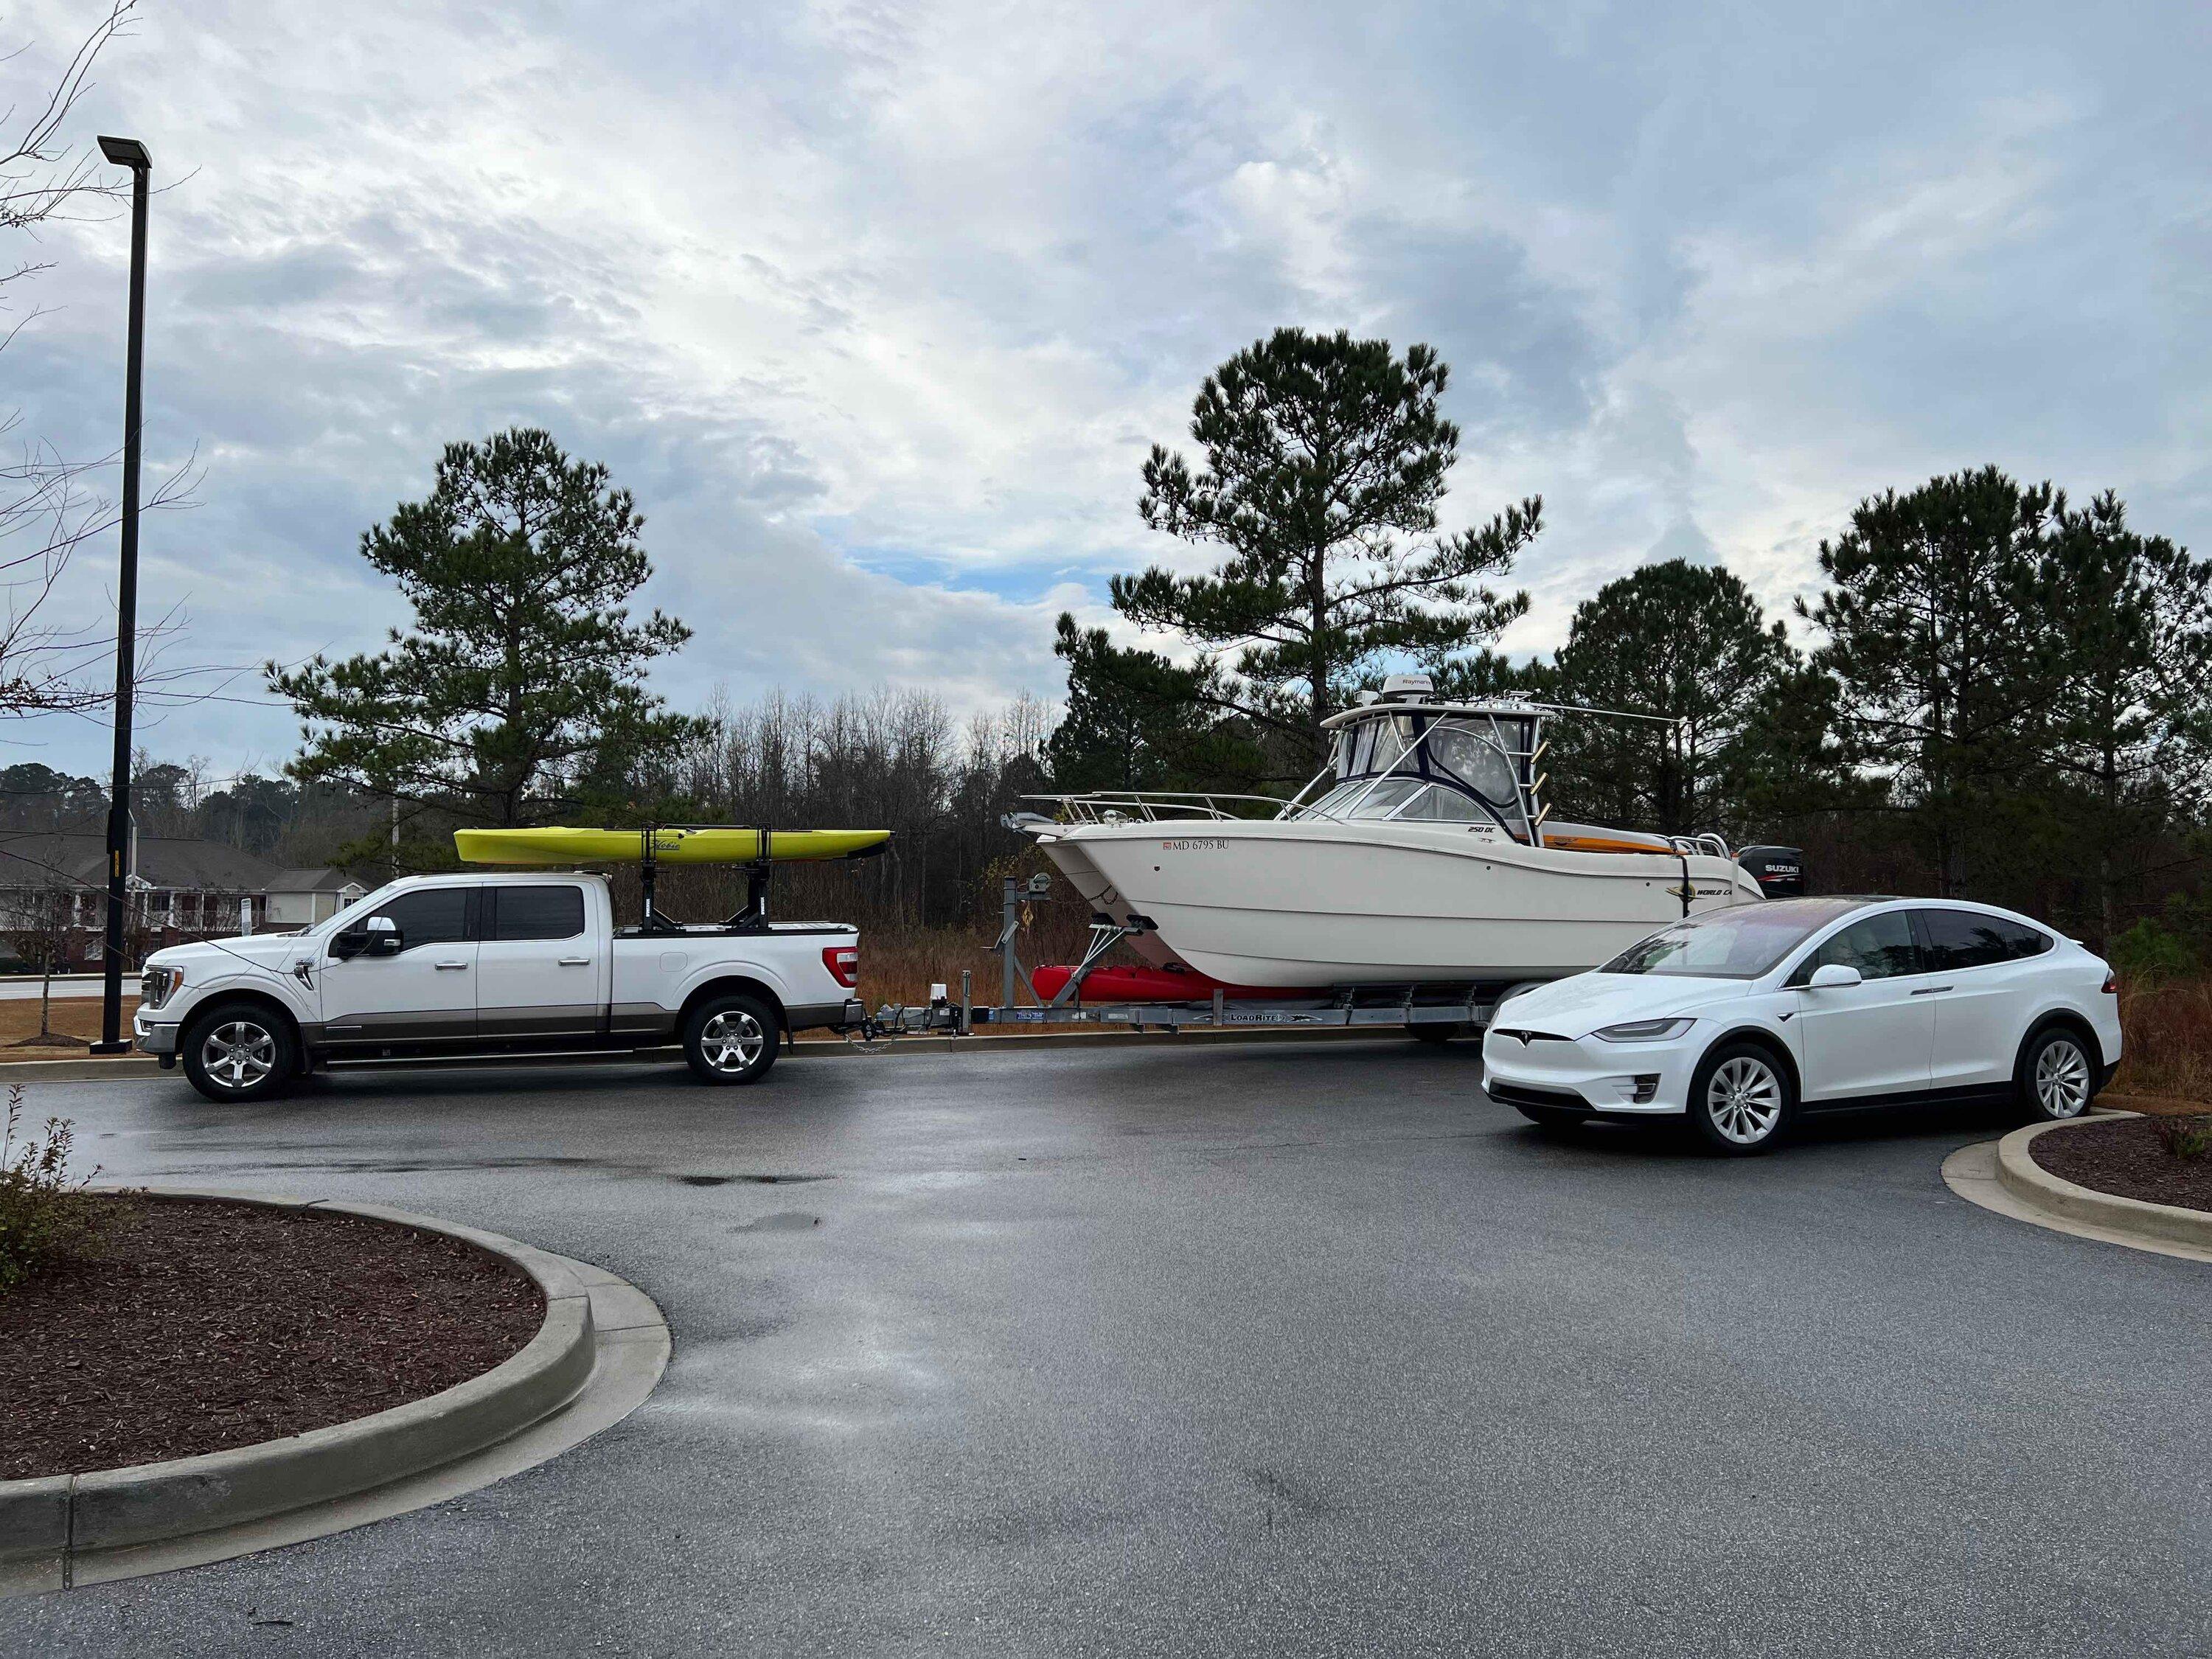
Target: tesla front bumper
{"x":1633,"y":1079}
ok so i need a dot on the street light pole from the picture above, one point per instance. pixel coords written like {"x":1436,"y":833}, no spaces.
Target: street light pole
{"x":124,"y":152}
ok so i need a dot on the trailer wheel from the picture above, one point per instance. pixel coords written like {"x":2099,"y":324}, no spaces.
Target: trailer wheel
{"x":730,"y":1039}
{"x":1436,"y":1031}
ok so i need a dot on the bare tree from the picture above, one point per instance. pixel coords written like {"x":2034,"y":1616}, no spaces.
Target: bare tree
{"x":50,"y":503}
{"x":39,"y":921}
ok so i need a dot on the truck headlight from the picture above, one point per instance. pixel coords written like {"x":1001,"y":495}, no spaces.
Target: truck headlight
{"x":159,"y":984}
{"x":1643,"y":1030}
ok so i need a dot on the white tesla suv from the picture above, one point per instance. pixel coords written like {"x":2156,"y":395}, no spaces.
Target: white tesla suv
{"x":1742,"y":1018}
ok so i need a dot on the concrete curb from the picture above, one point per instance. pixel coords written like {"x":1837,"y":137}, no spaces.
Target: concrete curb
{"x":2019,"y":1174}
{"x":82,"y":1071}
{"x":56,"y":1521}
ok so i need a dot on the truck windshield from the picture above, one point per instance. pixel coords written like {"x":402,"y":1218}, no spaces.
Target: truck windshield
{"x":361,"y":906}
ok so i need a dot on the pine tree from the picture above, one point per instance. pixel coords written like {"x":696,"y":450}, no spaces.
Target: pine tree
{"x":1939,"y":646}
{"x":1326,"y":459}
{"x":524,"y":667}
{"x":2129,"y":745}
{"x":1689,"y":644}
{"x":1135,"y":720}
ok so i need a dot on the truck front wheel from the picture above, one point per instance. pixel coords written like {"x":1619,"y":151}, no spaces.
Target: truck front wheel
{"x":238,"y":1051}
{"x":730,"y":1039}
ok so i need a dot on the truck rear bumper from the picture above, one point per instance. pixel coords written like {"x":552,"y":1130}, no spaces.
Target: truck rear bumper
{"x":813,"y":1016}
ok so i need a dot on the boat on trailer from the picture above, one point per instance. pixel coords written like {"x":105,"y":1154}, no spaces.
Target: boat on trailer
{"x":1424,"y":852}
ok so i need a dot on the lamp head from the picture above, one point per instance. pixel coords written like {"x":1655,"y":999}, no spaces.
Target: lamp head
{"x":125,"y":153}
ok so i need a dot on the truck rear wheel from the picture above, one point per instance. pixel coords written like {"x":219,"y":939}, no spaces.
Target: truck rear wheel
{"x":732,"y":1039}
{"x":238,"y":1051}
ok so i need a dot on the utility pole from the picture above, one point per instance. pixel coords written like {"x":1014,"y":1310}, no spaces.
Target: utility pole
{"x":124,"y":152}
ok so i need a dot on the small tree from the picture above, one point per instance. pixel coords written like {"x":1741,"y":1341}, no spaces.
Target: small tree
{"x":1935,"y":641}
{"x":1325,"y":460}
{"x":39,"y":926}
{"x":524,"y":668}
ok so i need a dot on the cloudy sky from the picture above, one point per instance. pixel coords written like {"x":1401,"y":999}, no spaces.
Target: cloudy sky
{"x":877,"y":307}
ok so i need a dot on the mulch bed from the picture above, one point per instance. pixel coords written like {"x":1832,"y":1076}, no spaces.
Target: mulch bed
{"x":194,"y":1327}
{"x":2124,"y":1156}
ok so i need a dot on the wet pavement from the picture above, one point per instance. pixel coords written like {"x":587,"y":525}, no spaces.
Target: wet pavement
{"x":1265,"y":1350}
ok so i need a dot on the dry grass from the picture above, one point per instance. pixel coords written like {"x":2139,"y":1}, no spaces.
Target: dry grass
{"x":73,"y":1017}
{"x":2168,"y":1047}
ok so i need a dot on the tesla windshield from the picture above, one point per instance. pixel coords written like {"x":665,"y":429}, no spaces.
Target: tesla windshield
{"x":1741,"y":942}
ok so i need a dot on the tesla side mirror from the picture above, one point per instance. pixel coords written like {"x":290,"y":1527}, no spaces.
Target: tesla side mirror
{"x":1832,"y":975}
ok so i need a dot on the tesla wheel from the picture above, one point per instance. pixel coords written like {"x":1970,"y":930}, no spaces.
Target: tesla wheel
{"x":2055,"y":1080}
{"x":732,"y":1039}
{"x":238,"y":1051}
{"x":1741,"y":1100}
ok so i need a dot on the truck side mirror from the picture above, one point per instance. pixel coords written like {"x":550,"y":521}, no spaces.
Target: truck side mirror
{"x":1833,"y":976}
{"x":379,"y":936}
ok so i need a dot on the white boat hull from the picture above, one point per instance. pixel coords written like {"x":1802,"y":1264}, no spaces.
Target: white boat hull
{"x":1301,"y":903}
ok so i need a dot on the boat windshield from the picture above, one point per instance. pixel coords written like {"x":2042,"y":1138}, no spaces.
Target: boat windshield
{"x":1480,"y":764}
{"x":1356,"y":799}
{"x":1741,"y":942}
{"x":1431,"y":770}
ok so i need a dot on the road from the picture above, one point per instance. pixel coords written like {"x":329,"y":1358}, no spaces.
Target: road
{"x":1267,"y":1350}
{"x":64,"y":985}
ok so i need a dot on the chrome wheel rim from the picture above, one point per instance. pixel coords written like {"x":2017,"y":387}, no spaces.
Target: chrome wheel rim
{"x":1744,"y":1100}
{"x":2062,"y":1078}
{"x":239,"y":1054}
{"x":732,"y":1040}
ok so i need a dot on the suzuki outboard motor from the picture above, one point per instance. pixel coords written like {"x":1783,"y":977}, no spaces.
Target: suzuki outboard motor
{"x":1779,"y":871}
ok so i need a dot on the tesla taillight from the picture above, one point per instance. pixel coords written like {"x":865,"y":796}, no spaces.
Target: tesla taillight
{"x":2112,"y":983}
{"x":843,"y":962}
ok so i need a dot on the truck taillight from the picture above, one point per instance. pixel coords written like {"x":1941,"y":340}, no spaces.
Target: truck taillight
{"x":843,"y":962}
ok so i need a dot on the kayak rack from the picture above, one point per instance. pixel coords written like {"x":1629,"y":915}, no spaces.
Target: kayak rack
{"x":759,"y":873}
{"x":1397,"y":1006}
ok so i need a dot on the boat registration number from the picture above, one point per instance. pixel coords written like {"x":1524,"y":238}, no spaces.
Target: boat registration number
{"x":1195,"y":844}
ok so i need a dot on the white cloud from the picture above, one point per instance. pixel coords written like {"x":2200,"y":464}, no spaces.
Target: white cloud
{"x":877,"y":307}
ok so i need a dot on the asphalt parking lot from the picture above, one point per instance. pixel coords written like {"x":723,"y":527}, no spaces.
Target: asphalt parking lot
{"x":1263,"y":1350}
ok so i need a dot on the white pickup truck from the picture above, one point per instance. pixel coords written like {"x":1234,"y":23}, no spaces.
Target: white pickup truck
{"x":450,"y":967}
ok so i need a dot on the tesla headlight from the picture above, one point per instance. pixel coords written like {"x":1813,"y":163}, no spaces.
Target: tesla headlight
{"x":1643,"y":1030}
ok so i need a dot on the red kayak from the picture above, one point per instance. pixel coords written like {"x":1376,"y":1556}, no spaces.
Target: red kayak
{"x":1151,"y":985}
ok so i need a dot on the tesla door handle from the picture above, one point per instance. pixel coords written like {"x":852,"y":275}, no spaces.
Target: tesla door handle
{"x":1931,"y":990}
{"x":450,"y":967}
{"x":576,"y":962}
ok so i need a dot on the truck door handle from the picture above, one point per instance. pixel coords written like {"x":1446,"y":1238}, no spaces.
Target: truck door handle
{"x":576,"y":962}
{"x":450,"y":967}
{"x":1931,"y":990}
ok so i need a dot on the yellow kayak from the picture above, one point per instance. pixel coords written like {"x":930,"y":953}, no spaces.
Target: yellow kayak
{"x":565,"y":847}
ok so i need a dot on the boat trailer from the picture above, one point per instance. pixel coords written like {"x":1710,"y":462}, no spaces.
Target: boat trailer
{"x":1456,"y":1005}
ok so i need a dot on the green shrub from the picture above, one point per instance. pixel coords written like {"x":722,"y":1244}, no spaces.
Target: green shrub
{"x":2184,"y":1137}
{"x":44,"y":1215}
{"x":2150,"y":949}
